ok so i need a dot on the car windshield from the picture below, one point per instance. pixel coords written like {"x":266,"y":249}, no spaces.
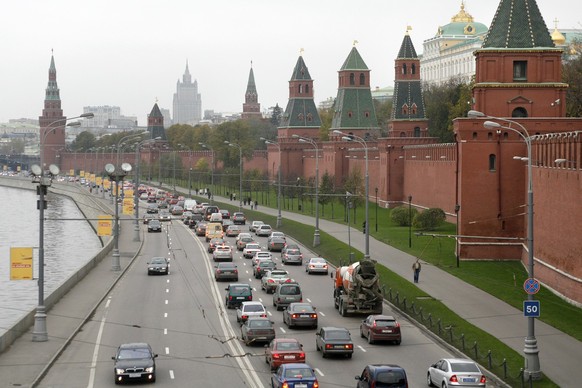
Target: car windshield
{"x":303,"y":308}
{"x":282,"y":274}
{"x":134,"y":354}
{"x":158,"y":261}
{"x":226,"y":266}
{"x":240,"y":290}
{"x":337,"y":335}
{"x":267,"y":263}
{"x":318,"y":260}
{"x":390,"y":377}
{"x":464,"y":367}
{"x":253,"y":308}
{"x":292,"y":251}
{"x":253,"y":246}
{"x":299,"y":372}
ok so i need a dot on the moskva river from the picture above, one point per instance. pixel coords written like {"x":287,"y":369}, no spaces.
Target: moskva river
{"x":68,"y":246}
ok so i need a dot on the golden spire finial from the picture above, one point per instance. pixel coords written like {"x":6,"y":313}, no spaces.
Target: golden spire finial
{"x":408,"y":29}
{"x":556,"y":23}
{"x":301,"y":51}
{"x":355,"y":42}
{"x":156,"y":100}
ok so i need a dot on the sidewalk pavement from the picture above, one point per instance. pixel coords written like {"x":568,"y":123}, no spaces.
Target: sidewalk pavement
{"x":26,"y":361}
{"x":559,"y":353}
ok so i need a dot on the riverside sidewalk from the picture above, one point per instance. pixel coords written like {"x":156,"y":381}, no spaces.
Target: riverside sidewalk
{"x":25,"y":361}
{"x":560,"y":354}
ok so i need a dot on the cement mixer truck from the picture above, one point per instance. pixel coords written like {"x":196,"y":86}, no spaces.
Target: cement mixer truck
{"x":357,"y":289}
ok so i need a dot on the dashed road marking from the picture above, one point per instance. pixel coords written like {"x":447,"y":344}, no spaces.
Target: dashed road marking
{"x":319,"y":372}
{"x":172,"y":374}
{"x":362,"y":349}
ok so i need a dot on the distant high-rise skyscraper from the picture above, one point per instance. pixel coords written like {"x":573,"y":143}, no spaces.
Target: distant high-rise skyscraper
{"x":187,"y":101}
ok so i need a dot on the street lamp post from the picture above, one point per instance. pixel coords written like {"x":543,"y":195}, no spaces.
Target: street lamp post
{"x":190,"y":183}
{"x":316,"y":237}
{"x":410,"y":221}
{"x":211,"y":172}
{"x":532,"y":362}
{"x":279,"y":218}
{"x":40,"y":333}
{"x":116,"y":175}
{"x":376,"y":189}
{"x":136,"y":188}
{"x":362,"y":142}
{"x":240,"y":172}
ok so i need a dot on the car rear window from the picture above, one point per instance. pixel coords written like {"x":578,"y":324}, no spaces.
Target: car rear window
{"x":288,"y":346}
{"x":290,"y":290}
{"x":337,"y":335}
{"x":240,"y":290}
{"x":254,"y":308}
{"x":385,"y":323}
{"x":464,"y":367}
{"x":390,"y":377}
{"x":298,"y":372}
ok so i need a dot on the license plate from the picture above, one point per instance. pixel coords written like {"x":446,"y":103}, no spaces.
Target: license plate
{"x":468,"y":380}
{"x":240,"y":297}
{"x":289,"y":357}
{"x":300,"y":385}
{"x":134,"y":375}
{"x":338,"y":346}
{"x":304,"y":316}
{"x":386,"y":331}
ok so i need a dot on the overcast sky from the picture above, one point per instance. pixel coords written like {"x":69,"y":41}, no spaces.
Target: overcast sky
{"x":130,"y":53}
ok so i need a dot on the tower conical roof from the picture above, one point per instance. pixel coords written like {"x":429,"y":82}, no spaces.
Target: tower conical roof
{"x":251,"y":86}
{"x":518,"y":24}
{"x":354,"y":61}
{"x":407,"y":48}
{"x":52,"y":89}
{"x":300,"y":72}
{"x":156,"y":112}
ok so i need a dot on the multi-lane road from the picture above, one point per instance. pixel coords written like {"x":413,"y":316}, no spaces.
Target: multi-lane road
{"x":182,"y":316}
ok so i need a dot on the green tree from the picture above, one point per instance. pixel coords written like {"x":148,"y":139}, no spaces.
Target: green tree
{"x":429,"y":219}
{"x":326,"y":188}
{"x":276,"y":116}
{"x":402,"y":215}
{"x":84,"y":141}
{"x":326,"y":116}
{"x":572,"y":75}
{"x":443,"y":104}
{"x":383,"y":114}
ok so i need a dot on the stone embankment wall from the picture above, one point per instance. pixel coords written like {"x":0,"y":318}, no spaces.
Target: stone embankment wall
{"x":91,"y":207}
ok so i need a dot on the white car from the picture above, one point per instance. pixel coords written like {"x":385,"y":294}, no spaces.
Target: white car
{"x":255,"y":225}
{"x":250,"y":309}
{"x":316,"y":265}
{"x":222,"y":253}
{"x":250,"y":249}
{"x":261,"y":256}
{"x":264,"y":230}
{"x":276,"y":234}
{"x":455,"y":372}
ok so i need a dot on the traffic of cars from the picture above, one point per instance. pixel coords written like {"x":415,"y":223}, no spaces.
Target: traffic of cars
{"x":285,"y":355}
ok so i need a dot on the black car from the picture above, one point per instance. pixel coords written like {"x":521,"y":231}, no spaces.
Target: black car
{"x":152,"y":209}
{"x":154,"y":226}
{"x":226,"y":271}
{"x":239,"y":218}
{"x":382,"y":375}
{"x":236,"y":293}
{"x":334,"y":340}
{"x":134,"y":362}
{"x":263,"y":266}
{"x":158,"y":265}
{"x":256,"y":330}
{"x":300,"y":314}
{"x":214,"y":242}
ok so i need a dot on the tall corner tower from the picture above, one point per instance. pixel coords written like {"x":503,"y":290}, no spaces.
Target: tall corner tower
{"x":354,"y":110}
{"x":251,"y":106}
{"x":301,"y":116}
{"x":156,"y":124}
{"x":52,"y":123}
{"x":187,"y":104}
{"x":519,"y":69}
{"x":408,"y":117}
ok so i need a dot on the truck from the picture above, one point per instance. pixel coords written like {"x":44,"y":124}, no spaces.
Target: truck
{"x":357,"y":289}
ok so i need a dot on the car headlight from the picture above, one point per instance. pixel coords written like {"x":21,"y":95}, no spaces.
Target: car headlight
{"x":119,"y":371}
{"x":149,"y":369}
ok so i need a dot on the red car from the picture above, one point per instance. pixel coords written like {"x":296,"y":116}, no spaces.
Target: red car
{"x":284,"y":351}
{"x":381,"y":328}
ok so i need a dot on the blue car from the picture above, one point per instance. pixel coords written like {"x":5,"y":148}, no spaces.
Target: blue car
{"x":294,"y":375}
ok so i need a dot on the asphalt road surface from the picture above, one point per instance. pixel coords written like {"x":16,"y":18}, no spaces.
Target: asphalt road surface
{"x":183,"y":317}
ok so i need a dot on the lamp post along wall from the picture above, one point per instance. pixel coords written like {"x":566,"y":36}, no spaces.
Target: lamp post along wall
{"x":532,"y":368}
{"x":211,"y":171}
{"x":240,"y":172}
{"x":316,"y":236}
{"x":279,"y":217}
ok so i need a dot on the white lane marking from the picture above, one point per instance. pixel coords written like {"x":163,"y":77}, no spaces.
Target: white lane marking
{"x":167,"y":350}
{"x":167,"y":280}
{"x":171,"y":374}
{"x":268,"y":312}
{"x":322,"y":314}
{"x":282,"y":330}
{"x":167,"y":290}
{"x":96,"y":351}
{"x":166,"y":302}
{"x":107,"y":303}
{"x":261,"y":300}
{"x":362,"y":349}
{"x":165,"y":315}
{"x":165,"y":331}
{"x":319,"y":372}
{"x":309,"y":300}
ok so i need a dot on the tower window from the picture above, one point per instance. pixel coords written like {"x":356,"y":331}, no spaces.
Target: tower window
{"x":404,"y":68}
{"x":413,"y":68}
{"x":414,"y":109}
{"x":349,"y":114}
{"x":416,"y":132}
{"x":520,"y":70}
{"x":306,"y":88}
{"x":352,"y":79}
{"x":492,"y":162}
{"x":300,"y":89}
{"x":362,"y":79}
{"x":519,"y":112}
{"x":300,"y":116}
{"x":309,"y":117}
{"x":366,"y":114}
{"x":405,"y":109}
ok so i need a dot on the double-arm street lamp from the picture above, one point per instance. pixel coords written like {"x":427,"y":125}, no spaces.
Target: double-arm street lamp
{"x":316,"y":239}
{"x":362,"y":142}
{"x":39,"y":333}
{"x":531,"y":351}
{"x":136,"y":188}
{"x":211,"y":172}
{"x":279,"y":218}
{"x":240,"y":172}
{"x":116,"y":175}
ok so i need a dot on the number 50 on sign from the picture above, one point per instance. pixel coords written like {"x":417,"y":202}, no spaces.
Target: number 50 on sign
{"x":531,"y":308}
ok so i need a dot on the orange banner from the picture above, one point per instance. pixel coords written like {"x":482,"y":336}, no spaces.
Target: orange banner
{"x":20,"y":263}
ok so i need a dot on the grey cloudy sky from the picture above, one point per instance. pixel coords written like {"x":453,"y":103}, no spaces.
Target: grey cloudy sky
{"x":130,"y":53}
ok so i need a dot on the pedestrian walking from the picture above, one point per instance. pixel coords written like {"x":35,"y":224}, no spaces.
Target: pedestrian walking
{"x":256,"y":205}
{"x":251,"y":206}
{"x":416,"y":268}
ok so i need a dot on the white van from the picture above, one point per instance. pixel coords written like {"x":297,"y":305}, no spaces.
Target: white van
{"x":189,"y":204}
{"x":216,"y":217}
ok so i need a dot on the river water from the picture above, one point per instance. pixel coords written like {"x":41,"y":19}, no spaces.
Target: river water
{"x":68,"y":246}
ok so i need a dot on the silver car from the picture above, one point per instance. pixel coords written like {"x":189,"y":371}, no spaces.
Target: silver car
{"x":272,"y":279}
{"x":455,"y":372}
{"x":316,"y":265}
{"x":250,"y":309}
{"x":256,"y":330}
{"x":292,"y":255}
{"x":222,"y":253}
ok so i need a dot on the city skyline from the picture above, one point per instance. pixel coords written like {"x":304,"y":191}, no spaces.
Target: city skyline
{"x":131,"y":54}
